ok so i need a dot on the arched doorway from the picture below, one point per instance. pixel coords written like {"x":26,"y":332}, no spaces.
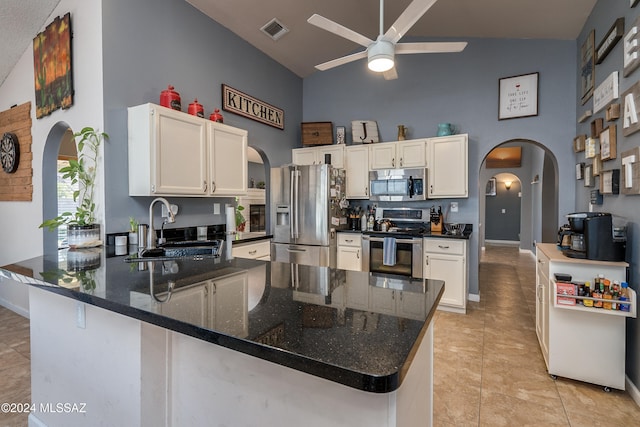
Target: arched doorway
{"x":59,"y":133}
{"x":537,"y":173}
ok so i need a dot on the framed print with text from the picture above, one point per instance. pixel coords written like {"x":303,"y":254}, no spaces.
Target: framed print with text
{"x":587,"y":66}
{"x":588,"y":176}
{"x":608,"y":143}
{"x":518,"y":96}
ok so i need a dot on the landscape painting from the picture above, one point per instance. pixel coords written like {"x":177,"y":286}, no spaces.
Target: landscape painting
{"x":52,"y":67}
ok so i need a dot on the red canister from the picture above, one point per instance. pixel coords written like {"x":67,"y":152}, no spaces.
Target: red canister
{"x":216,"y":116}
{"x":170,"y":98}
{"x":196,"y":109}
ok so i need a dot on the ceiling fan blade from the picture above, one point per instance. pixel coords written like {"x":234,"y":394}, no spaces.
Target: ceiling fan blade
{"x":344,"y":60}
{"x":342,"y":31}
{"x":405,"y":21}
{"x":430,"y":47}
{"x":391,"y":74}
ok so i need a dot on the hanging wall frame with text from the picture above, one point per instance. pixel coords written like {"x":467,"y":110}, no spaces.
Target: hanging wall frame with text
{"x":587,"y":67}
{"x":52,"y":73}
{"x":518,"y":96}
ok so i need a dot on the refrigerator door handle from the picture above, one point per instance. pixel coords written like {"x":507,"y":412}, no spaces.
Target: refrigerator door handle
{"x":296,"y":204}
{"x":291,"y":205}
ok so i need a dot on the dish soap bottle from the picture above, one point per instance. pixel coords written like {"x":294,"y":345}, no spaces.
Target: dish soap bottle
{"x":371,"y":221}
{"x":363,"y":221}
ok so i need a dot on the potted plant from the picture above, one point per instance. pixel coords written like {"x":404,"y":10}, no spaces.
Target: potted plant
{"x":133,"y":231}
{"x":82,"y":230}
{"x":240,"y":221}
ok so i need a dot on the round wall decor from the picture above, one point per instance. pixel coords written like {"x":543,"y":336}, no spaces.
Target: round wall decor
{"x":9,"y":152}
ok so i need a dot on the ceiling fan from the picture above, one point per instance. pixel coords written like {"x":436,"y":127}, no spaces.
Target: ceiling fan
{"x":380,"y":53}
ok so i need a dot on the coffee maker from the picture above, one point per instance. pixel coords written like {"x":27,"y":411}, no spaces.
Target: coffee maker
{"x":564,"y":237}
{"x":594,"y":237}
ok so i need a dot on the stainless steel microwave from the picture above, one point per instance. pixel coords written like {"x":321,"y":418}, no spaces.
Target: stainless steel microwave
{"x":396,"y":185}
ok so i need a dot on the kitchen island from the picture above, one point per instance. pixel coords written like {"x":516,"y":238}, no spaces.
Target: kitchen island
{"x":176,"y":343}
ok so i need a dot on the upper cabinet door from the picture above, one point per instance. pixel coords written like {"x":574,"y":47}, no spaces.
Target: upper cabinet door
{"x":303,"y":156}
{"x":180,"y":153}
{"x":357,"y":171}
{"x":412,"y":154}
{"x":448,"y":166}
{"x":227,"y":160}
{"x":337,"y":155}
{"x":383,"y":156}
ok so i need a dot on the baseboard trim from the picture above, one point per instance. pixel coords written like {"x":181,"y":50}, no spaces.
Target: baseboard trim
{"x":15,"y":308}
{"x":632,"y":390}
{"x":474,"y":297}
{"x":503,"y":242}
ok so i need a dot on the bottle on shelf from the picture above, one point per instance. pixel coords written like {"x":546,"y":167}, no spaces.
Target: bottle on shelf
{"x":587,"y":293}
{"x":370,"y":221}
{"x":624,"y":296}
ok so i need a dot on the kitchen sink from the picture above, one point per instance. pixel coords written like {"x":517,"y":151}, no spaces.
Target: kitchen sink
{"x":179,"y":251}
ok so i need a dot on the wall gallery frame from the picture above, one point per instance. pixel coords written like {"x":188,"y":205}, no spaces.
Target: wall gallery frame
{"x":518,"y":96}
{"x":587,"y":67}
{"x":588,"y":176}
{"x":491,"y":187}
{"x":52,"y":73}
{"x":608,"y":143}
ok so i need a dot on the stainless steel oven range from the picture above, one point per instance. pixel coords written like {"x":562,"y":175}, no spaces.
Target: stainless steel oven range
{"x":407,"y":227}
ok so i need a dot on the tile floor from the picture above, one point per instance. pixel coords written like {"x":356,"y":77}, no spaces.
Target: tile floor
{"x":488,"y":369}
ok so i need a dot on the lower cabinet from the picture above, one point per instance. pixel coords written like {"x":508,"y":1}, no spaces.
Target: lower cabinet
{"x":446,"y":259}
{"x":349,"y":251}
{"x":253,"y":250}
{"x":219,"y":304}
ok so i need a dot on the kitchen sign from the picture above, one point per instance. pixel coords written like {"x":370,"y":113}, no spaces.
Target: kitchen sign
{"x":630,"y":119}
{"x":245,"y":105}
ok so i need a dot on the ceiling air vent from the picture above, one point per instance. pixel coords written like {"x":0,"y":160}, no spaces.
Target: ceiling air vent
{"x":274,"y":29}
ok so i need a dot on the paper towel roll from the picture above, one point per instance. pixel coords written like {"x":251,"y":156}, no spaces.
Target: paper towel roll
{"x":230,"y":212}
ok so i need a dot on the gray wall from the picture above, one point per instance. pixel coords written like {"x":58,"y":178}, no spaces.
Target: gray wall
{"x":503,"y":226}
{"x":461,"y":89}
{"x":624,"y":208}
{"x":149,"y":44}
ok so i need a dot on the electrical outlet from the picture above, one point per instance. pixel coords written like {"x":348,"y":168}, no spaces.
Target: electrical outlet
{"x":81,"y":316}
{"x":454,"y":206}
{"x":504,"y":211}
{"x":164,"y":211}
{"x":216,"y":208}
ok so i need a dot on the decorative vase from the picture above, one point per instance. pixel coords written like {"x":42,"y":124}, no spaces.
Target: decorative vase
{"x":445,"y":129}
{"x":133,"y":238}
{"x":80,"y":236}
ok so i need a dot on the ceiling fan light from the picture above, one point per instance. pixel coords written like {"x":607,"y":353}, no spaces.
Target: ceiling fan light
{"x":380,"y":56}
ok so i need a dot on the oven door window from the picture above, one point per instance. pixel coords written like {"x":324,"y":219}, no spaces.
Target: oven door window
{"x":403,"y":266}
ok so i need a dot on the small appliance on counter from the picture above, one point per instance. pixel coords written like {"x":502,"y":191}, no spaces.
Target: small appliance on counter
{"x":564,"y":237}
{"x":594,"y":237}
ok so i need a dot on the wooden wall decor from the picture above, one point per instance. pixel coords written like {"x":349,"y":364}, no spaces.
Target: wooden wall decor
{"x":631,"y":109}
{"x":631,"y":171}
{"x":608,"y":145}
{"x":18,"y":186}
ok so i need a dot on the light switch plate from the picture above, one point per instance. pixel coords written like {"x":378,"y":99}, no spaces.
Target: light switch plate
{"x":216,"y":208}
{"x":454,"y":206}
{"x":81,"y":317}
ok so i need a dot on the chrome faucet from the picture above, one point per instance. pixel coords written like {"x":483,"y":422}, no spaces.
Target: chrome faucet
{"x":151,"y":233}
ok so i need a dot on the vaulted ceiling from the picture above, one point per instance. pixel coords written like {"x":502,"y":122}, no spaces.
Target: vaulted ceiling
{"x":304,"y":45}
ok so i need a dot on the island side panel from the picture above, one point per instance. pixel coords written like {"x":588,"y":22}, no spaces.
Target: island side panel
{"x":96,"y":368}
{"x":210,"y":383}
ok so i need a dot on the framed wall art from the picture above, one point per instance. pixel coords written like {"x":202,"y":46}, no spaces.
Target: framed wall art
{"x":518,"y":96}
{"x":610,"y":181}
{"x":491,"y":187}
{"x":612,"y":37}
{"x":597,"y":166}
{"x":608,"y":143}
{"x":52,"y":73}
{"x":591,"y":148}
{"x":588,"y":176}
{"x":631,"y":171}
{"x":578,"y":143}
{"x":587,"y":67}
{"x":579,"y":171}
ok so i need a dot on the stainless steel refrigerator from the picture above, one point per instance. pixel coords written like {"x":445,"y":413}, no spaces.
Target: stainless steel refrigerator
{"x":306,"y":212}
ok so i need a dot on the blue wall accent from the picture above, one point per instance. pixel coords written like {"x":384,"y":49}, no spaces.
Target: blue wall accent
{"x":149,"y":44}
{"x":461,"y":88}
{"x":623,"y":208}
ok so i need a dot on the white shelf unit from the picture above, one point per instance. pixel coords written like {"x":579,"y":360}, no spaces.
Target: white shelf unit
{"x":581,"y":343}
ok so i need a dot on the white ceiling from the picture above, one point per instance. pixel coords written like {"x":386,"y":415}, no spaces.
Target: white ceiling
{"x":305,"y":45}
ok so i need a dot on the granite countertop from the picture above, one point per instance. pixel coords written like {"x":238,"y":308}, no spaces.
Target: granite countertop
{"x":311,"y":323}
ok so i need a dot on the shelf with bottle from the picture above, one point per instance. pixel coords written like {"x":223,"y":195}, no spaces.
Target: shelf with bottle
{"x":570,"y":300}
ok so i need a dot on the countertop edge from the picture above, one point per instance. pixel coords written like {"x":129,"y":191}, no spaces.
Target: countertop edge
{"x":358,"y":380}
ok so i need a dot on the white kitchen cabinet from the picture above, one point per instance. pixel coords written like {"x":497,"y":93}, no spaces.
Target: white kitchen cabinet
{"x":396,"y":155}
{"x":187,"y":304}
{"x":542,"y":303}
{"x":172,"y":153}
{"x":446,"y":259}
{"x":228,"y":310}
{"x":357,"y":291}
{"x":357,"y":171}
{"x":396,"y":302}
{"x":227,"y":147}
{"x":252,"y":250}
{"x":448,"y":165}
{"x":570,"y":332}
{"x":315,"y":155}
{"x":383,"y":300}
{"x":349,"y":251}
